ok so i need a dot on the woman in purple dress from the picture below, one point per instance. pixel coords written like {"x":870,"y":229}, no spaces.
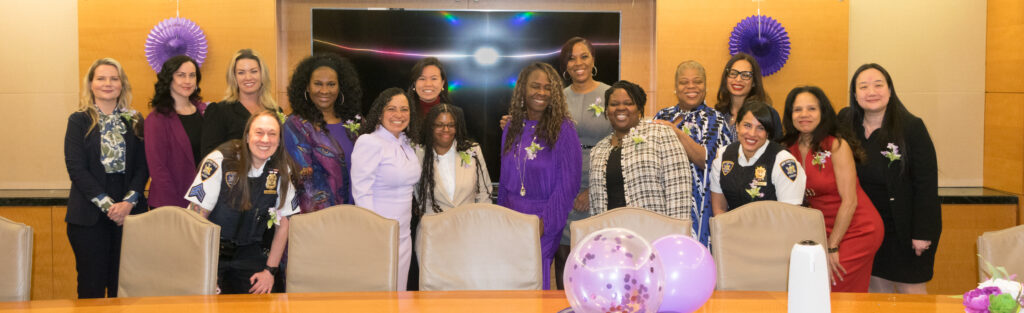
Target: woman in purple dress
{"x":541,"y":156}
{"x":324,"y":93}
{"x":385,"y":169}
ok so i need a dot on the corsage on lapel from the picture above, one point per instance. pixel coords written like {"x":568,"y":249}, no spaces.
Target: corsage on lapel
{"x":893,"y":153}
{"x":353,"y":126}
{"x":467,"y":157}
{"x":820,"y":158}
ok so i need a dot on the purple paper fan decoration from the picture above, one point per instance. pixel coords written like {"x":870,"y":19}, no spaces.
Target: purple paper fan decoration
{"x":770,"y":47}
{"x":175,"y":36}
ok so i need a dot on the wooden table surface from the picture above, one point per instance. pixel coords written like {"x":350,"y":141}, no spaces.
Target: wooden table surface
{"x":463,"y":301}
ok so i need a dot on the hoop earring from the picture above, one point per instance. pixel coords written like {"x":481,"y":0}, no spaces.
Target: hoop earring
{"x":342,"y":98}
{"x":593,"y":70}
{"x":565,"y":75}
{"x":306,"y":94}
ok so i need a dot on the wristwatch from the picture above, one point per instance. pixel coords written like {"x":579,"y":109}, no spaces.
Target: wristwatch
{"x":833,"y":250}
{"x":273,"y":270}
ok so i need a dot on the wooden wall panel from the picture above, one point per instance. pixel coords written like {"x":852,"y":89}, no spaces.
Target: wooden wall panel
{"x":1004,"y":61}
{"x":699,"y":30}
{"x":1004,"y":142}
{"x":118,"y":29}
{"x":38,"y":217}
{"x":1004,"y":97}
{"x":956,"y":266}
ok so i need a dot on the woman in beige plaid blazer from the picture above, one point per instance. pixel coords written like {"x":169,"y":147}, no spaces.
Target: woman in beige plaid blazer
{"x":639,"y":164}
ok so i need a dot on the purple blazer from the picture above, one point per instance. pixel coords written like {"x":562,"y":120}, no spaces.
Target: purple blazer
{"x":169,"y":157}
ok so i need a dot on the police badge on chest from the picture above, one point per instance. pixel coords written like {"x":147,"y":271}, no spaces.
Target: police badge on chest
{"x":271,"y":185}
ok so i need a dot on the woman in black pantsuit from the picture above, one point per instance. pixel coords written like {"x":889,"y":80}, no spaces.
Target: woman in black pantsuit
{"x":106,"y":162}
{"x":901,"y":178}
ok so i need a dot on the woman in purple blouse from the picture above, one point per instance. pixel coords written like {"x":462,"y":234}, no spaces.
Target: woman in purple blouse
{"x":385,"y":168}
{"x":541,"y":156}
{"x":324,"y":94}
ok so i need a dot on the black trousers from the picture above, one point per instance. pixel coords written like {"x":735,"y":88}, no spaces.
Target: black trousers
{"x":97,"y":248}
{"x":237,"y":264}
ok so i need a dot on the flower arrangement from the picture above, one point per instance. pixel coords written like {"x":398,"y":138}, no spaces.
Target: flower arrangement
{"x":353,"y":126}
{"x":820,"y":158}
{"x":893,"y":154}
{"x":998,"y":294}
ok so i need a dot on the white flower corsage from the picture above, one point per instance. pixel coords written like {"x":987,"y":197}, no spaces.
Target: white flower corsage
{"x":596,"y":108}
{"x":353,"y":126}
{"x":275,"y":219}
{"x":467,"y":157}
{"x":755,"y":191}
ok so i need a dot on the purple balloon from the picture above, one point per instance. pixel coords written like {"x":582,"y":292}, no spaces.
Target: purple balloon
{"x":615,"y":270}
{"x":690,"y":273}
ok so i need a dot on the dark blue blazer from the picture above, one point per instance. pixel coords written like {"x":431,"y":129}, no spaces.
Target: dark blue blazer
{"x":88,"y":178}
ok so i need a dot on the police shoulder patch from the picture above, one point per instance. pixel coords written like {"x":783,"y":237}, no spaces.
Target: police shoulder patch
{"x":790,"y":168}
{"x":727,"y":167}
{"x":209,"y":167}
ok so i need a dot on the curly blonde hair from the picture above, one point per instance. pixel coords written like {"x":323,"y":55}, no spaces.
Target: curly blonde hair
{"x":554,"y":114}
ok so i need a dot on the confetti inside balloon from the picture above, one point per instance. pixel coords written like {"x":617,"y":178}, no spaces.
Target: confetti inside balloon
{"x":614,"y":270}
{"x":765,"y":39}
{"x":175,"y":36}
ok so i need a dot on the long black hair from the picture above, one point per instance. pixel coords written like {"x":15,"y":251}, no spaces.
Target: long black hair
{"x":346,"y":106}
{"x":372,"y":118}
{"x":895,"y":112}
{"x":162,"y":100}
{"x":828,"y":124}
{"x":463,"y":143}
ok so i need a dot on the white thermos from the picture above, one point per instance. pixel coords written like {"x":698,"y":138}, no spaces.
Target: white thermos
{"x":808,"y":279}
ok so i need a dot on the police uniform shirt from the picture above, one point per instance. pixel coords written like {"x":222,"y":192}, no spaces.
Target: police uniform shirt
{"x":206,"y":187}
{"x":786,"y":190}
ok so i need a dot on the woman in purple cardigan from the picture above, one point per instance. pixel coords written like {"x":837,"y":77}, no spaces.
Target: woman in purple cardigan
{"x":541,"y":156}
{"x":173,"y":131}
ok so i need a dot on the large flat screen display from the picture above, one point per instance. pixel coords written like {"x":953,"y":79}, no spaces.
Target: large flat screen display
{"x":482,"y":52}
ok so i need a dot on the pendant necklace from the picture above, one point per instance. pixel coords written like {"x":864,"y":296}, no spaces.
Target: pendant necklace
{"x":522,"y":171}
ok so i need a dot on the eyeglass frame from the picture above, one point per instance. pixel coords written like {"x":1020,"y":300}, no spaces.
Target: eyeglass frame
{"x":744,"y":75}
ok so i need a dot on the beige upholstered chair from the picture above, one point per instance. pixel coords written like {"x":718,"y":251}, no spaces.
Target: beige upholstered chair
{"x":15,"y":261}
{"x":647,"y":224}
{"x":752,"y":243}
{"x":1002,"y":248}
{"x":342,"y":248}
{"x":169,"y":251}
{"x":479,"y":247}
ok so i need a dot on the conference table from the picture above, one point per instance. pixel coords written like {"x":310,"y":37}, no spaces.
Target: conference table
{"x":462,"y":301}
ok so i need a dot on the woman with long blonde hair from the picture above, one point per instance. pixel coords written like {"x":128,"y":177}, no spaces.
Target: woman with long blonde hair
{"x":541,"y":156}
{"x":248,"y":93}
{"x":106,"y":161}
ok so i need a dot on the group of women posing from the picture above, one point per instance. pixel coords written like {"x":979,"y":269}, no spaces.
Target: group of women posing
{"x":567,"y":153}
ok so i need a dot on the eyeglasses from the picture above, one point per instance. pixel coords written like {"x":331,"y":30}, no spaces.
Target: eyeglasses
{"x":745,"y":75}
{"x":442,"y":126}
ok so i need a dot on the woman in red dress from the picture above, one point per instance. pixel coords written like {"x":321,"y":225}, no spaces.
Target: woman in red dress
{"x":854,"y":227}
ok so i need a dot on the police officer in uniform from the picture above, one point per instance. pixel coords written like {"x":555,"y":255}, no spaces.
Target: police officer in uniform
{"x":245,"y":187}
{"x":755,"y":168}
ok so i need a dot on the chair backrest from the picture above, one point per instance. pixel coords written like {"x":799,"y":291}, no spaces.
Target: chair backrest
{"x":342,"y":248}
{"x":15,"y":261}
{"x":647,"y":224}
{"x":752,"y":243}
{"x":168,"y":251}
{"x":1002,"y":248}
{"x":479,"y":247}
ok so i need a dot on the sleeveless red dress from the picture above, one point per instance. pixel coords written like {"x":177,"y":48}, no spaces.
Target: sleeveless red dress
{"x":863,"y":236}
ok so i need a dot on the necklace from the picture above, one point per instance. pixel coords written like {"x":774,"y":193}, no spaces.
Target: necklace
{"x":519,"y":157}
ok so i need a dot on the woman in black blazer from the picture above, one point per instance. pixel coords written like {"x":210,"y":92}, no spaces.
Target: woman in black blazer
{"x":106,"y":161}
{"x":901,"y":178}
